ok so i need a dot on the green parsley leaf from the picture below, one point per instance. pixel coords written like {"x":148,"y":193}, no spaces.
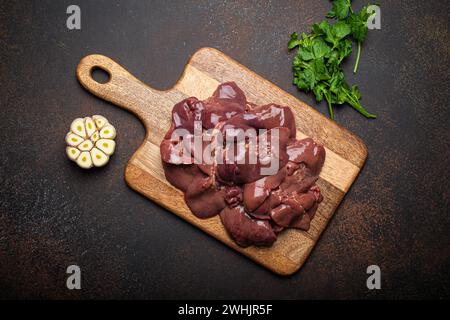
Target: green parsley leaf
{"x":358,"y":24}
{"x":340,"y":10}
{"x":294,"y":42}
{"x":317,"y":66}
{"x":320,"y":48}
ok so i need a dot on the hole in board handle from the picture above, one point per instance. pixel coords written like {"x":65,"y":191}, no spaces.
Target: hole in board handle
{"x":100,"y":75}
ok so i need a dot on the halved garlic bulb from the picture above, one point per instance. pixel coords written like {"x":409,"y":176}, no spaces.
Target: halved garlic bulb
{"x":90,"y":141}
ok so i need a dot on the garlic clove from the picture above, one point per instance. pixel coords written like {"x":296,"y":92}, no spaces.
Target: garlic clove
{"x":78,"y":127}
{"x":95,"y":136}
{"x":72,"y":153}
{"x":108,"y":132}
{"x":98,"y":157}
{"x":85,"y":160}
{"x":86,"y":145}
{"x":90,"y":126}
{"x":106,"y":145}
{"x":73,"y":140}
{"x":100,"y":121}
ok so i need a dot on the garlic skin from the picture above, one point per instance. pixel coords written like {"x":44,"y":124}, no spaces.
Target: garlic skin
{"x":90,"y":141}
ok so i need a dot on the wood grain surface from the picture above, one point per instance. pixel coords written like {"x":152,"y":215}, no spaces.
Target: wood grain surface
{"x":208,"y":67}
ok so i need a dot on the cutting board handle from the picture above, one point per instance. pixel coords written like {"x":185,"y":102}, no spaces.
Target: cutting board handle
{"x":122,"y":88}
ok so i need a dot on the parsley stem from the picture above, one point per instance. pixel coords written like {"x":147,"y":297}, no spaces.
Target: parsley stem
{"x":358,"y":107}
{"x":357,"y":58}
{"x":330,"y":108}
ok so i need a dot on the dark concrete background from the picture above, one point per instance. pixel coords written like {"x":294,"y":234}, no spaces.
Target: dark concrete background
{"x":53,"y":214}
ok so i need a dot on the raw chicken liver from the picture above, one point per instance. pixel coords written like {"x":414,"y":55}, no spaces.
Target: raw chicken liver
{"x":253,"y":206}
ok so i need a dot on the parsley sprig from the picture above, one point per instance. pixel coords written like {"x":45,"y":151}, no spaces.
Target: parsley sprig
{"x":317,"y":66}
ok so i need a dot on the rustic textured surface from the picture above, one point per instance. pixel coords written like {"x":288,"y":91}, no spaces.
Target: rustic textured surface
{"x":52,"y":214}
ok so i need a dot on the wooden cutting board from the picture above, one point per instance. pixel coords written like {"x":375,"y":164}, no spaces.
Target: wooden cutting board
{"x":345,"y":153}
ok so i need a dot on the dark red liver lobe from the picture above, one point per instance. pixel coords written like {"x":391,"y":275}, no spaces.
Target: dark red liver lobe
{"x":253,"y":205}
